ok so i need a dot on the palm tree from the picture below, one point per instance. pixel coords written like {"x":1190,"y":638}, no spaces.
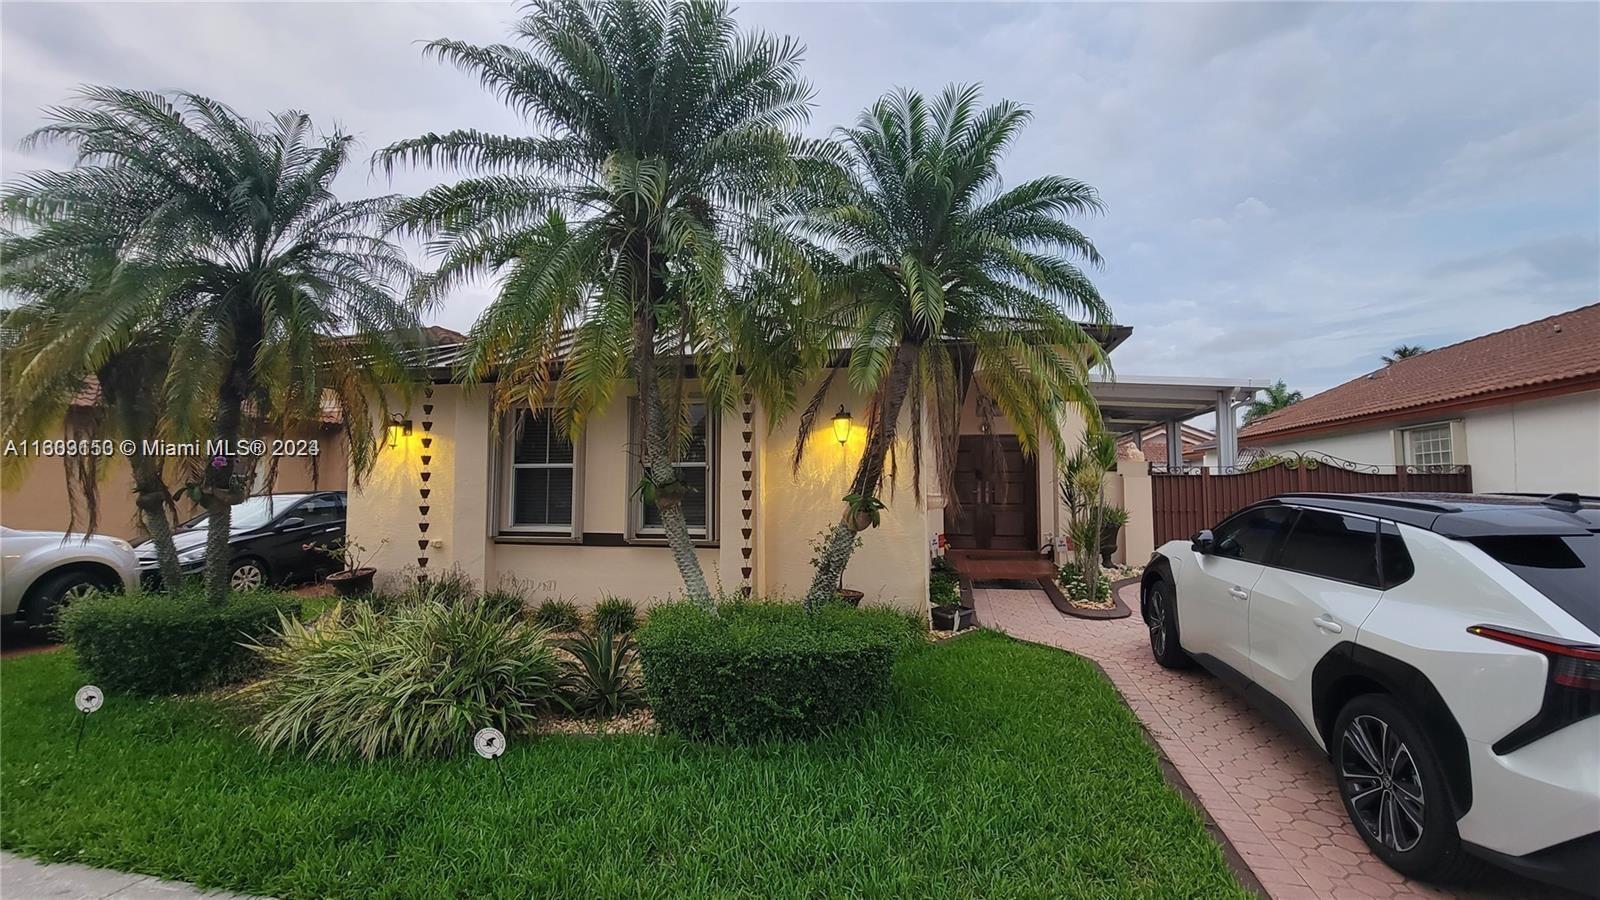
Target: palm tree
{"x":1277,"y":397}
{"x":1403,"y":351}
{"x":940,"y":276}
{"x":619,"y":228}
{"x":232,"y":227}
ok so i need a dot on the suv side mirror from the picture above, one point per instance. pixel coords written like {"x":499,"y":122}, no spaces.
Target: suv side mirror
{"x":296,"y":522}
{"x":1203,"y":541}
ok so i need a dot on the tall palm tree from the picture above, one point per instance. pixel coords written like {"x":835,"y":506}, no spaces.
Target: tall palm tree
{"x":1277,"y":397}
{"x":941,"y":275}
{"x":232,"y":224}
{"x":620,"y":225}
{"x":1403,"y":351}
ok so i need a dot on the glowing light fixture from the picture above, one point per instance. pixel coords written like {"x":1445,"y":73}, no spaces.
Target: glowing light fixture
{"x":399,"y":426}
{"x":841,"y":424}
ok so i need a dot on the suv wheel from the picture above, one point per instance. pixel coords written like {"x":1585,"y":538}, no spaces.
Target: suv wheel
{"x":1161,"y":618}
{"x":57,"y":590}
{"x":1394,"y":790}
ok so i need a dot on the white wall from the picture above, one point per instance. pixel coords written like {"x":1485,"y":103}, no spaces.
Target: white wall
{"x":1537,"y":446}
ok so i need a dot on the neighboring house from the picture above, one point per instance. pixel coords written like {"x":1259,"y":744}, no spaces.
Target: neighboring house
{"x":40,"y":500}
{"x":1520,"y":406}
{"x":1152,"y":442}
{"x":515,"y":499}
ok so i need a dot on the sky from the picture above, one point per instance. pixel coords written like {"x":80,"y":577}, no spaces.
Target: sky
{"x":1292,"y":189}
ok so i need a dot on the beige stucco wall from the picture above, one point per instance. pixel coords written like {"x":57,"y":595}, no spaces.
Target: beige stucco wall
{"x":790,"y":508}
{"x":39,"y":501}
{"x":1541,"y":445}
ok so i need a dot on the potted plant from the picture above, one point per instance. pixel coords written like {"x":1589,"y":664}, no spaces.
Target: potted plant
{"x":354,"y":576}
{"x":1112,"y":519}
{"x":841,"y":593}
{"x":944,"y":594}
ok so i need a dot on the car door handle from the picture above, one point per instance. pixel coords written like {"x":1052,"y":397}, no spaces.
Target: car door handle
{"x":326,"y":530}
{"x":1326,"y":623}
{"x":1238,"y":593}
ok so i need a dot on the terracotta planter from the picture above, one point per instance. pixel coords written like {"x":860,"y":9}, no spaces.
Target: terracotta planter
{"x":846,"y":595}
{"x":353,"y":582}
{"x":951,"y":617}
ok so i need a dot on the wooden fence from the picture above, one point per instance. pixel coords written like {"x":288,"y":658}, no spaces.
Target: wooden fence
{"x":1187,"y":499}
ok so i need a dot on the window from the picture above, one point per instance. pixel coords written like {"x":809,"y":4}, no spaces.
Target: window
{"x":1330,"y":545}
{"x":322,"y":509}
{"x":1394,"y":560}
{"x":1252,"y":535}
{"x":695,"y":469}
{"x":1565,"y":568}
{"x":1429,"y":445}
{"x":541,"y":477}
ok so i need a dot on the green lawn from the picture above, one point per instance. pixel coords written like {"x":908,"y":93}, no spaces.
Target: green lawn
{"x":1000,"y":769}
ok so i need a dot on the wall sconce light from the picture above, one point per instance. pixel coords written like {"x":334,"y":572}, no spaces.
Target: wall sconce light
{"x":399,"y":426}
{"x":841,"y":424}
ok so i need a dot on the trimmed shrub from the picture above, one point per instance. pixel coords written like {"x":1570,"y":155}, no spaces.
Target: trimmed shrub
{"x":762,"y":670}
{"x":618,"y":614}
{"x":419,"y":681}
{"x":558,"y":615}
{"x":172,"y":643}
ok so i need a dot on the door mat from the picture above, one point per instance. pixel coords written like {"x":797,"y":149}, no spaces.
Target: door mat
{"x":1007,"y":584}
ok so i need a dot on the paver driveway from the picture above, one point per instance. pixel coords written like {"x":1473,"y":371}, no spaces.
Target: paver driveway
{"x":1269,"y":790}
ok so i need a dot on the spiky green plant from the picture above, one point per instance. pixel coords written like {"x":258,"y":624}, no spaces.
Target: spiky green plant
{"x":939,"y":273}
{"x":603,"y":679}
{"x":626,"y":230}
{"x":232,"y":225}
{"x":418,"y":681}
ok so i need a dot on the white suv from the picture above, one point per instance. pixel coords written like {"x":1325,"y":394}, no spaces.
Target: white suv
{"x":40,"y":571}
{"x":1443,"y":649}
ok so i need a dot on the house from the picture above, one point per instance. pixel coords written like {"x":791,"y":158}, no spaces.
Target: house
{"x":1521,"y":407}
{"x":40,"y":500}
{"x":515,"y":499}
{"x":1152,"y":442}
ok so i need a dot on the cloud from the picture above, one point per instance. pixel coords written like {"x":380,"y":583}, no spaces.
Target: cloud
{"x":1292,"y":189}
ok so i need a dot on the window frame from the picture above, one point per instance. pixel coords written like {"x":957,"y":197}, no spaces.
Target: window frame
{"x":1271,"y":556}
{"x":506,"y":469}
{"x":1404,"y":436}
{"x":637,"y":532}
{"x":1377,"y":548}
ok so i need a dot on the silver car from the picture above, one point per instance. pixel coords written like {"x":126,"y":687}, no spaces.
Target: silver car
{"x":40,"y":571}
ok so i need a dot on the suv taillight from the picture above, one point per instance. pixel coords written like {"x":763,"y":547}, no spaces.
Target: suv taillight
{"x":1572,"y":690}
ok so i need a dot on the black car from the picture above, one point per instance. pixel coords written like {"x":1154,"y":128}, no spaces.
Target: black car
{"x":269,"y":544}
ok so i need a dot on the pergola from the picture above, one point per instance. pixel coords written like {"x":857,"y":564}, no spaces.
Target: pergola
{"x":1135,"y":403}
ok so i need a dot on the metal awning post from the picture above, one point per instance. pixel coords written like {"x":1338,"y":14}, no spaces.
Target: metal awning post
{"x":1227,"y":433}
{"x":1174,"y":444}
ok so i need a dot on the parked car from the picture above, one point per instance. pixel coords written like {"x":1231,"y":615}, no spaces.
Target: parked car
{"x":41,"y":571}
{"x":1443,"y":649}
{"x":272,"y":537}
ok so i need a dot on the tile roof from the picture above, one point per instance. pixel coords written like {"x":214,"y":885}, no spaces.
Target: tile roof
{"x":1551,"y":353}
{"x":1195,"y":442}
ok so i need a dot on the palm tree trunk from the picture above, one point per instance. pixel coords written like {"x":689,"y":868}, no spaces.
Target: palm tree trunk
{"x":657,"y":460}
{"x":218,"y":494}
{"x":841,"y":541}
{"x":153,"y":499}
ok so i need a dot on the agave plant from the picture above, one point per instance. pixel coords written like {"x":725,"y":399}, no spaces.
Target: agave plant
{"x":604,"y":680}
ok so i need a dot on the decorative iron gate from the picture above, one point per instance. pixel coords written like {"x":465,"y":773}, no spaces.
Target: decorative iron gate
{"x":1186,"y":499}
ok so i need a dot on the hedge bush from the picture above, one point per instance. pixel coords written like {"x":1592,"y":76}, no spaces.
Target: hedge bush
{"x":765,"y":670}
{"x":173,"y":643}
{"x":419,"y":680}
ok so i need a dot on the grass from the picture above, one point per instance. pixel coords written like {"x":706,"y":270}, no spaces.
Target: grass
{"x":999,"y":769}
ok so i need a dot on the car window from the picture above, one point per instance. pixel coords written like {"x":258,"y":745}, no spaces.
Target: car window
{"x":1394,"y":560}
{"x":1252,"y":535}
{"x":1330,"y":545}
{"x":321,"y":510}
{"x":1565,"y":568}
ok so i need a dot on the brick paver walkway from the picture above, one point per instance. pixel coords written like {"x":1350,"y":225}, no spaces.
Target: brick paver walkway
{"x":1270,"y":791}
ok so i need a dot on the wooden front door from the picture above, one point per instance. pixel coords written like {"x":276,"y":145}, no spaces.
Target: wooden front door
{"x":997,"y":490}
